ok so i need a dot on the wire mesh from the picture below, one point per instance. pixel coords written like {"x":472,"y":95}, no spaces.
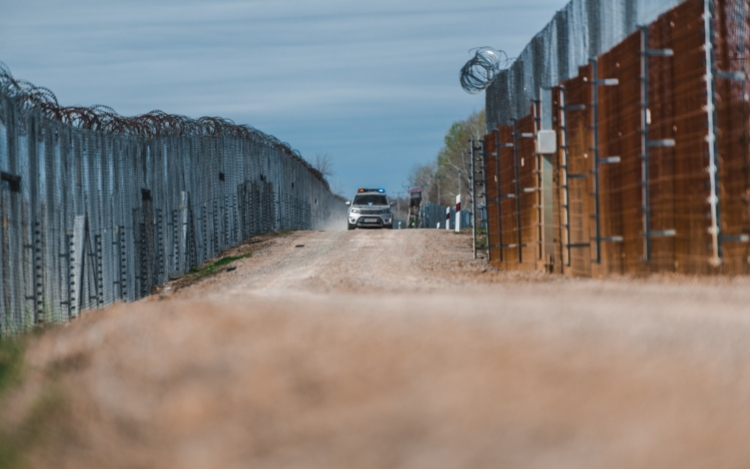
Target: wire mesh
{"x":479,"y":72}
{"x":508,"y":190}
{"x":581,"y":30}
{"x":491,"y":165}
{"x":666,"y":112}
{"x":97,"y":208}
{"x":530,"y":223}
{"x":434,"y":214}
{"x":731,"y":46}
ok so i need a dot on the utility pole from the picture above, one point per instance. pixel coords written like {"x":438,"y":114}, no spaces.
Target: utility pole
{"x":398,"y":203}
{"x":458,"y":212}
{"x":473,"y":196}
{"x":437,"y":176}
{"x":459,"y":182}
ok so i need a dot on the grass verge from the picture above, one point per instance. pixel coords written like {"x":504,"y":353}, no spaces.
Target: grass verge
{"x":11,"y":362}
{"x":41,"y":421}
{"x":210,"y":269}
{"x":12,"y":351}
{"x":241,"y":251}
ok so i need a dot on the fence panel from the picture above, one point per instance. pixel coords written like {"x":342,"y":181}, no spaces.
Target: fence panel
{"x":653,"y":166}
{"x":530,"y":223}
{"x":98,"y":209}
{"x":731,"y":36}
{"x":492,"y":173}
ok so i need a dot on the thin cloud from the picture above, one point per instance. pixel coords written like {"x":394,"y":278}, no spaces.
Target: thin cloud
{"x":366,"y":82}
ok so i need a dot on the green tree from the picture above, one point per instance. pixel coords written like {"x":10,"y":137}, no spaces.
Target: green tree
{"x":439,"y":180}
{"x":455,"y":158}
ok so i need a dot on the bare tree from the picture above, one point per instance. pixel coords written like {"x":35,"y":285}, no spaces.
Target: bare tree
{"x":337,"y":187}
{"x":421,"y":176}
{"x":323,"y":163}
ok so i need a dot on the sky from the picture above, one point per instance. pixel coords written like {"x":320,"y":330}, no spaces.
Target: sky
{"x":373,"y":84}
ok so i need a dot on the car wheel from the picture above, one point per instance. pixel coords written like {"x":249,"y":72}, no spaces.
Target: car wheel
{"x":350,"y":226}
{"x":388,"y":227}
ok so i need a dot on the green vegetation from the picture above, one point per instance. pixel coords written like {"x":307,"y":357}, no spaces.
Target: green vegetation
{"x":210,"y":269}
{"x":11,"y":370}
{"x":440,"y":178}
{"x":10,"y":453}
{"x":11,"y":362}
{"x":46,"y":414}
{"x":45,"y":418}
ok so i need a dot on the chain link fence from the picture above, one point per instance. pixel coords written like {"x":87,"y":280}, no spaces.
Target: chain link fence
{"x":93,"y":217}
{"x":442,"y":217}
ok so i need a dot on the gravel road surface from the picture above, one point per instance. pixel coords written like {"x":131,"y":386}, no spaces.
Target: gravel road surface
{"x":395,"y":349}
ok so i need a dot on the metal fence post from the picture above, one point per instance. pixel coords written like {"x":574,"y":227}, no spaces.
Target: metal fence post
{"x":596,"y":82}
{"x":647,"y":143}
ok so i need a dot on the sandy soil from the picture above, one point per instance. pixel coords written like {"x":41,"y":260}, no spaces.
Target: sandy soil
{"x":394,"y":349}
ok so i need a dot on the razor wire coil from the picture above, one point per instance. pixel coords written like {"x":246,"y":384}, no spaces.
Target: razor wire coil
{"x":478,"y":73}
{"x":156,"y":123}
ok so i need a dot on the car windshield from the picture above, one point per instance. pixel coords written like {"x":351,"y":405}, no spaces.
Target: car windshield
{"x":370,"y":199}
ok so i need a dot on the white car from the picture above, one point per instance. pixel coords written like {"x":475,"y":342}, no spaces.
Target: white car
{"x":370,"y":208}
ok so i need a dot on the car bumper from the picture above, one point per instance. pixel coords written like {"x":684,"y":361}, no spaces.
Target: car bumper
{"x":372,"y":221}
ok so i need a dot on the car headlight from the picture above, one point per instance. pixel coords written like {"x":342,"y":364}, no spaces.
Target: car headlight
{"x":355,"y":210}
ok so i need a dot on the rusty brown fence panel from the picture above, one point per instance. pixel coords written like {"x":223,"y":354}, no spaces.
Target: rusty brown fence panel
{"x":508,"y":192}
{"x":574,"y":96}
{"x":527,"y":181}
{"x":491,"y":160}
{"x":731,"y":46}
{"x":658,"y":253}
{"x":652,"y":172}
{"x":692,"y":212}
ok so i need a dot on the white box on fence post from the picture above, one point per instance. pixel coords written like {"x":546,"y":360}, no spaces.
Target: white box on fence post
{"x":458,"y":213}
{"x":546,"y":142}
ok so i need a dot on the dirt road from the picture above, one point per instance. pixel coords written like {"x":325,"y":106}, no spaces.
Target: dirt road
{"x":394,"y":349}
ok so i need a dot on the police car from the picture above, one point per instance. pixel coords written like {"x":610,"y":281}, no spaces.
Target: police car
{"x":370,"y":208}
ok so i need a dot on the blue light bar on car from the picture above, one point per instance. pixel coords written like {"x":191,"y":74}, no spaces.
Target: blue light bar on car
{"x":381,"y":190}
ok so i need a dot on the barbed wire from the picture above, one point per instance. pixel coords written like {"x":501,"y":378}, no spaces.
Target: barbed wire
{"x":478,"y":73}
{"x":101,"y":118}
